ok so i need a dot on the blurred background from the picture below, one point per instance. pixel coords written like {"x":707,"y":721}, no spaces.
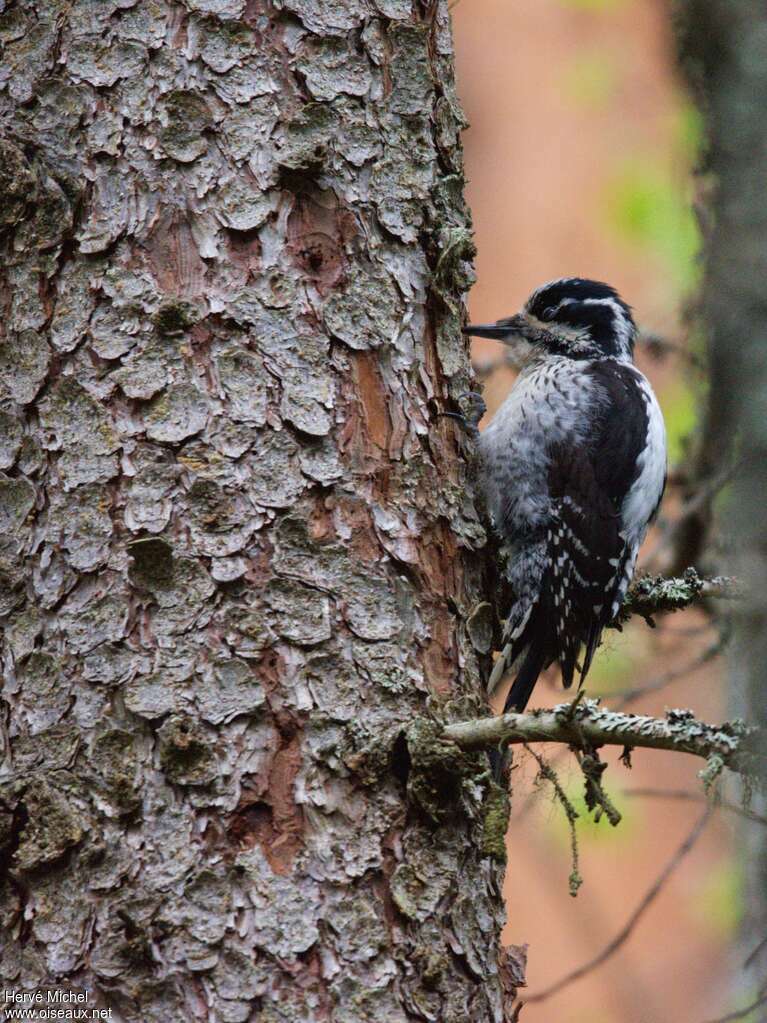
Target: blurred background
{"x":579,"y":157}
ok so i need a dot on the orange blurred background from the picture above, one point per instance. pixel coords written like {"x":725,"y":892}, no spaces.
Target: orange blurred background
{"x":578,"y":159}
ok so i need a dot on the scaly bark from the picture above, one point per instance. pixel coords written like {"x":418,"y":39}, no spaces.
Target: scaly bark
{"x":238,"y":541}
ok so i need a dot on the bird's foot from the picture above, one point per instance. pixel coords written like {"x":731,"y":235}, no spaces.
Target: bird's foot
{"x":472,"y":406}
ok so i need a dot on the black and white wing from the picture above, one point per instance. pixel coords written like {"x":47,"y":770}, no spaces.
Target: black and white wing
{"x":603,"y":489}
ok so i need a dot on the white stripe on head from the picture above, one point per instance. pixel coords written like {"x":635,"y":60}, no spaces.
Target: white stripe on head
{"x":625,"y":329}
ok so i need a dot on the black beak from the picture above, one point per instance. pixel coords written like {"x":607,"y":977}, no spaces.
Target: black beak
{"x":503,"y":330}
{"x":491,"y":330}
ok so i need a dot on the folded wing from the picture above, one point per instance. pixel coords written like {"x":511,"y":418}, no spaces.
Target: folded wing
{"x":584,"y":557}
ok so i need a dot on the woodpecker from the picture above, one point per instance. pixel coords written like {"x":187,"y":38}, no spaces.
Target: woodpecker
{"x":574,"y":468}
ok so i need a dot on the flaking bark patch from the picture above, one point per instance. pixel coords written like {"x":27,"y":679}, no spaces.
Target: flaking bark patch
{"x":51,"y":826}
{"x":17,"y":184}
{"x":186,"y":118}
{"x":186,"y":755}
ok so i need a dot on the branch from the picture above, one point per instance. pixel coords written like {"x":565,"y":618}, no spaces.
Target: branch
{"x":585,"y":725}
{"x":652,"y":594}
{"x":628,"y":696}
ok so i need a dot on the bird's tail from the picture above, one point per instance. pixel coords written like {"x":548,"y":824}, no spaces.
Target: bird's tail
{"x":501,"y":667}
{"x":528,"y":649}
{"x":533,"y":664}
{"x":516,"y":639}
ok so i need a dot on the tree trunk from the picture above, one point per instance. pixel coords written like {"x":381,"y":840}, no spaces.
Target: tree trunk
{"x":724,"y":48}
{"x":240,"y":546}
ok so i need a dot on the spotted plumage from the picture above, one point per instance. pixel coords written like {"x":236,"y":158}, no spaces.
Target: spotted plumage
{"x":574,"y":465}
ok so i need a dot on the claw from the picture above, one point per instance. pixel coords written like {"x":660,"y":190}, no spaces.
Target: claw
{"x":473,"y":404}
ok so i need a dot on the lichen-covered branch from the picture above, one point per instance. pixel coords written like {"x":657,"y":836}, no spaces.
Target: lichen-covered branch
{"x":586,"y":725}
{"x":654,"y":594}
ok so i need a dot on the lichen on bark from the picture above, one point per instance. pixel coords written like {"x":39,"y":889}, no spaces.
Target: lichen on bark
{"x":237,"y":538}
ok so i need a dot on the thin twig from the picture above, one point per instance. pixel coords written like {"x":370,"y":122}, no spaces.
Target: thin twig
{"x":625,"y":932}
{"x":686,"y":630}
{"x":534,"y":794}
{"x":547,"y":773}
{"x":627,"y":697}
{"x":693,"y":797}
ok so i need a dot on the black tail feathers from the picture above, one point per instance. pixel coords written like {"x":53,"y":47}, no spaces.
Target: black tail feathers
{"x":520,"y":692}
{"x":535,"y":661}
{"x":533,"y":664}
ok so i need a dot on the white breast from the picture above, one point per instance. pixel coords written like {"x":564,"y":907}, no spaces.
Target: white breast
{"x":549,"y":403}
{"x":642,"y":499}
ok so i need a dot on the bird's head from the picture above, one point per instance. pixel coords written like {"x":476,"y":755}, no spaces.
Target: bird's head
{"x":572,"y":317}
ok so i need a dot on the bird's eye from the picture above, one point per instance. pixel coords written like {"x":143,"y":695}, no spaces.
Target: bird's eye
{"x":549,"y":312}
